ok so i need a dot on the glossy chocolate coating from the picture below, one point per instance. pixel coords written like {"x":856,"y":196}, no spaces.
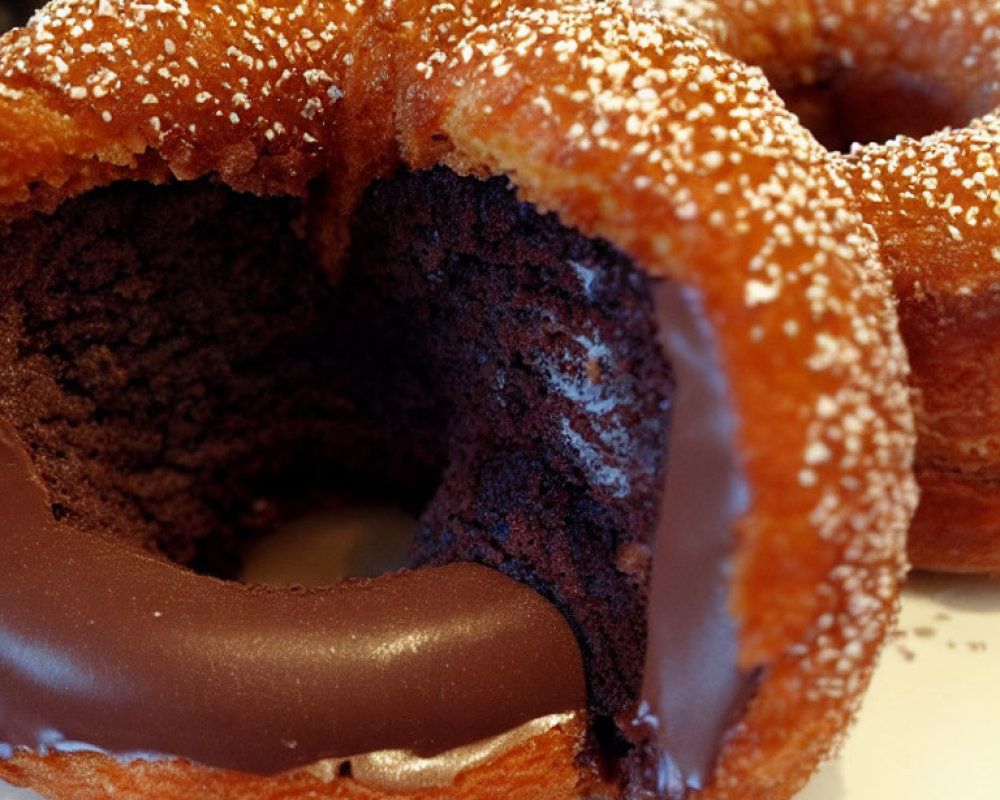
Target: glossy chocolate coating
{"x":693,"y":687}
{"x":265,"y":679}
{"x":509,"y":393}
{"x":104,"y":645}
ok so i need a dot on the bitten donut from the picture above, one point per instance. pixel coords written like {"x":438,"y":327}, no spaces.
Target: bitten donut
{"x":915,"y":83}
{"x":562,"y":280}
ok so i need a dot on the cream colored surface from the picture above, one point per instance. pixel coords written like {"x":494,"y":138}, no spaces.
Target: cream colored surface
{"x":930,"y":725}
{"x":325,"y":547}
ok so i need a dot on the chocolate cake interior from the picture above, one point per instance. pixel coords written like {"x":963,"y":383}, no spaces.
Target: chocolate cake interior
{"x":187,"y":377}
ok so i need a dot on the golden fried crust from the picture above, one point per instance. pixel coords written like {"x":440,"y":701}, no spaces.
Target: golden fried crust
{"x":630,"y":129}
{"x":547,"y":761}
{"x":933,"y":205}
{"x":940,"y":236}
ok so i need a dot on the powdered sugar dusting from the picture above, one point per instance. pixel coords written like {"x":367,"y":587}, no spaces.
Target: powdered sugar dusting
{"x":632,"y":128}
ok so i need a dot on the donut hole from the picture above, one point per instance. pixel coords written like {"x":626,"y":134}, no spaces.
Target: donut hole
{"x":189,"y":380}
{"x":185,"y":388}
{"x":327,"y":546}
{"x":844,"y":105}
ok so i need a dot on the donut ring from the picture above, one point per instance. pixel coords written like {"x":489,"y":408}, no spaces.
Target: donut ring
{"x":944,"y":270}
{"x":630,"y":130}
{"x":927,"y":183}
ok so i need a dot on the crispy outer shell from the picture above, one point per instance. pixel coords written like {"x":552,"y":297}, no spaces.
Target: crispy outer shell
{"x":629,"y":128}
{"x":933,"y":204}
{"x":939,"y":226}
{"x":546,"y":760}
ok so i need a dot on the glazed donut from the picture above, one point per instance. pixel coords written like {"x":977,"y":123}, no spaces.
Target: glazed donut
{"x":563,"y":279}
{"x":915,"y":83}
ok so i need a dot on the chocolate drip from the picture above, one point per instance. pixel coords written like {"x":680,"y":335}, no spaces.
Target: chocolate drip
{"x":154,"y":659}
{"x":692,"y":685}
{"x":104,"y":645}
{"x":188,"y":385}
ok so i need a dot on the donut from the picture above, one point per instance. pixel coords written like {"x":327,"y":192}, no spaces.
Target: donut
{"x":565,"y":281}
{"x":941,"y":243}
{"x":908,"y":92}
{"x":944,"y":248}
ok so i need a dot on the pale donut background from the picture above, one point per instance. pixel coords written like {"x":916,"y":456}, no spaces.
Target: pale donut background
{"x":930,"y":725}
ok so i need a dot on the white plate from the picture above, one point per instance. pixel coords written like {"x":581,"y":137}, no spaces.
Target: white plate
{"x":930,"y":725}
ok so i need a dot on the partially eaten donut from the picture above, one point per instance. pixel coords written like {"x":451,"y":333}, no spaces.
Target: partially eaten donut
{"x":560,"y":281}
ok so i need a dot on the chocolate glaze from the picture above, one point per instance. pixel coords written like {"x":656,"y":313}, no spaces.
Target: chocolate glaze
{"x":187,"y":385}
{"x":401,"y":770}
{"x":148,"y":659}
{"x":154,"y":659}
{"x":692,"y":685}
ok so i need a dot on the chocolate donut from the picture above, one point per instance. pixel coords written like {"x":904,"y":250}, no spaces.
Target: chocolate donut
{"x":563,"y":281}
